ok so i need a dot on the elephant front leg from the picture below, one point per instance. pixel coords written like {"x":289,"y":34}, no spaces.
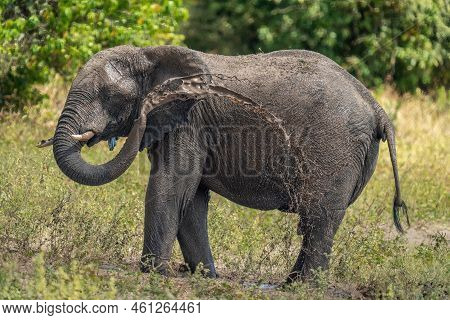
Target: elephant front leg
{"x":175,"y":175}
{"x":193,"y":234}
{"x":168,"y":196}
{"x":318,"y":231}
{"x":160,"y":230}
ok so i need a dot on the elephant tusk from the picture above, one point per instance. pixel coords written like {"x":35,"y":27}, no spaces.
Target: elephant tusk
{"x":45,"y":143}
{"x":83,"y":137}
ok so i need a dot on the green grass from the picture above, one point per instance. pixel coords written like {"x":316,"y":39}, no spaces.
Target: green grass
{"x":61,"y":240}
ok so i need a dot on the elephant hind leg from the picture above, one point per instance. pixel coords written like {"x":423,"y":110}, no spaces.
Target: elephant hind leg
{"x":318,"y":232}
{"x":320,"y":222}
{"x":193,"y":234}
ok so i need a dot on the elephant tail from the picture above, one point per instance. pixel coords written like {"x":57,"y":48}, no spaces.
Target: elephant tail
{"x":387,"y":133}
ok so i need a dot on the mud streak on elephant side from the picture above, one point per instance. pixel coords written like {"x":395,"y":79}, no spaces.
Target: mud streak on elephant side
{"x":201,"y":86}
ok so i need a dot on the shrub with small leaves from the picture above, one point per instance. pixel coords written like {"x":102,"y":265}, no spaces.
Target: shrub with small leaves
{"x":42,"y":37}
{"x":405,"y":42}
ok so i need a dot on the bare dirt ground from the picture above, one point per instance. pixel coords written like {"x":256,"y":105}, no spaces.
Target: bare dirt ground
{"x":422,"y":232}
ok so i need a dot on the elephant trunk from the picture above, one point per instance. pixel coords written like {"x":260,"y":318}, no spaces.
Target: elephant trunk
{"x":67,"y":152}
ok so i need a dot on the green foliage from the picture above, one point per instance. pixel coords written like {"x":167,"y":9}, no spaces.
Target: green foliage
{"x":59,"y":239}
{"x":38,"y":38}
{"x":404,"y":41}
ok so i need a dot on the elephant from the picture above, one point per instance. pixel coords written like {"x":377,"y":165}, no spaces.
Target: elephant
{"x":288,"y":130}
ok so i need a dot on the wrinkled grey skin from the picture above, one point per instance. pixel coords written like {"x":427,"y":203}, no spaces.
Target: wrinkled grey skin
{"x":293,"y":132}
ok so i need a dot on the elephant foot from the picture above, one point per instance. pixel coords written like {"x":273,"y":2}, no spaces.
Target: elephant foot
{"x":293,"y":277}
{"x":209,"y":274}
{"x":151,"y":263}
{"x":298,"y":276}
{"x":184,"y":268}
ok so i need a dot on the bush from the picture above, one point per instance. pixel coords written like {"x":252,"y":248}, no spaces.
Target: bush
{"x":39,"y":38}
{"x":402,"y":41}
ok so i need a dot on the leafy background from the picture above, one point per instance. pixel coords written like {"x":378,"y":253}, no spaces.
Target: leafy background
{"x":45,"y":37}
{"x":405,"y":42}
{"x":402,"y":42}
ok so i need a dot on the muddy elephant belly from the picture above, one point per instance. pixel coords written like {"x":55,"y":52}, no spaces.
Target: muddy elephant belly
{"x":250,"y":174}
{"x":252,"y":192}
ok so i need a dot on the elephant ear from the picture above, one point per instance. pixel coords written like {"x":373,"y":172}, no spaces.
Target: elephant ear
{"x":169,"y":62}
{"x":165,"y":119}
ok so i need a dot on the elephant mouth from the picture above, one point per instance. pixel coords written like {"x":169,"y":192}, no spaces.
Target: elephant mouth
{"x":112,"y":141}
{"x":113,"y":130}
{"x":94,"y":140}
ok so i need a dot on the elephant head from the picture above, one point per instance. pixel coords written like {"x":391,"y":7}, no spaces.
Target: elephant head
{"x":105,"y":101}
